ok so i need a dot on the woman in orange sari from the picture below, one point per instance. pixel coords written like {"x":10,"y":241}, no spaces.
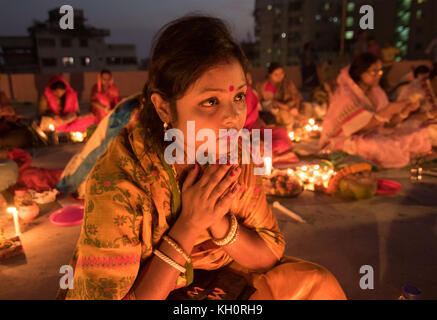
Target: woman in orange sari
{"x":148,"y":222}
{"x":104,"y":95}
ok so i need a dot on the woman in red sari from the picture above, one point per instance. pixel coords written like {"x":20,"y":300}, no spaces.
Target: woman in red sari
{"x":104,"y":95}
{"x":59,"y":107}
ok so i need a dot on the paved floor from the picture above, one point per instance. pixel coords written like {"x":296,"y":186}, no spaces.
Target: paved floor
{"x":396,"y":235}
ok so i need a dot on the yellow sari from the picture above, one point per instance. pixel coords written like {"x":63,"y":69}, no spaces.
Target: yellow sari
{"x":132,"y":200}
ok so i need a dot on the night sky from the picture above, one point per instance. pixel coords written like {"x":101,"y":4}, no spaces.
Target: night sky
{"x":130,"y":21}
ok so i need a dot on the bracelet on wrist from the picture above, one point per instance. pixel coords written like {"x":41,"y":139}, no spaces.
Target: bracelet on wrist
{"x":232,"y":234}
{"x":177,"y":247}
{"x":169,"y":260}
{"x":381,"y":118}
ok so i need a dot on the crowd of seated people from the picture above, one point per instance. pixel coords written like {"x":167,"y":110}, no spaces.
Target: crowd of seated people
{"x":357,"y":114}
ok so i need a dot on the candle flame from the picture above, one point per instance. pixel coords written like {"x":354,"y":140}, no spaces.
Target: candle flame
{"x":51,"y":127}
{"x":12,"y":210}
{"x":308,"y":128}
{"x":77,"y":136}
{"x":311,"y":121}
{"x":291,"y":135}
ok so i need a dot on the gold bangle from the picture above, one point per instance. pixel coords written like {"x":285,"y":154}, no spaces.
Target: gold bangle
{"x":177,"y":247}
{"x":381,"y":118}
{"x":232,"y":234}
{"x":170,"y":261}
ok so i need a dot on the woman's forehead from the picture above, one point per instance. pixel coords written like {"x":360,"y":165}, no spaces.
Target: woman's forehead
{"x":223,"y":76}
{"x":376,"y":65}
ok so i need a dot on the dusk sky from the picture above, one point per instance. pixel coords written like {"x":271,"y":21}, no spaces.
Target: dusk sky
{"x":130,"y":21}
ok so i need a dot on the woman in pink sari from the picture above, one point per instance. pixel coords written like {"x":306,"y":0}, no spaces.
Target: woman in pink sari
{"x":104,"y":95}
{"x":280,"y":96}
{"x":358,"y":112}
{"x":59,"y":107}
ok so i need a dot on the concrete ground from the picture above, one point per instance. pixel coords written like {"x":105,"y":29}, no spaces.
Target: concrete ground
{"x":396,"y":235}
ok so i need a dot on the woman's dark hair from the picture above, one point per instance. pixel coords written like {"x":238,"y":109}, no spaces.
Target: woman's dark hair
{"x":361,"y":64}
{"x":181,"y":52}
{"x":272,"y":67}
{"x":433,"y":74}
{"x":102,"y":72}
{"x":422,"y":69}
{"x":58,"y":85}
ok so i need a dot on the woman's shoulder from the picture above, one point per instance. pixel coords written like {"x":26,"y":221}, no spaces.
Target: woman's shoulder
{"x":119,"y":161}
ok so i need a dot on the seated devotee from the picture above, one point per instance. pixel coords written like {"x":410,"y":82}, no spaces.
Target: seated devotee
{"x":416,"y":73}
{"x":281,"y":143}
{"x":13,"y":132}
{"x":358,"y":112}
{"x":423,"y":89}
{"x":59,"y":107}
{"x":280,"y":96}
{"x":104,"y":95}
{"x":148,"y":223}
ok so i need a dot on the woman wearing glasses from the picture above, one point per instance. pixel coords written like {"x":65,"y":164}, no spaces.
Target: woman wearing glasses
{"x":360,"y":112}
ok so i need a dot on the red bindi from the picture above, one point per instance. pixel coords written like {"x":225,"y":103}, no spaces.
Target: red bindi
{"x":231,"y":88}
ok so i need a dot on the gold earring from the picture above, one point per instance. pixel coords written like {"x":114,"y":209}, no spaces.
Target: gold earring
{"x":165,"y":125}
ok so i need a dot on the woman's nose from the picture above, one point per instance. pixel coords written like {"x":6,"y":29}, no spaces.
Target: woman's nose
{"x":231,"y":115}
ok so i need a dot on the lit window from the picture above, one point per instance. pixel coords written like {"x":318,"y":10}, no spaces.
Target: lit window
{"x":350,"y":6}
{"x":349,"y":21}
{"x":67,"y":61}
{"x":406,"y":4}
{"x":318,"y":17}
{"x":421,"y":1}
{"x":86,"y":61}
{"x":269,"y":7}
{"x":283,"y":35}
{"x":327,"y":6}
{"x":335,"y":19}
{"x":406,"y":18}
{"x":349,"y":35}
{"x":277,"y":11}
{"x":419,"y":14}
{"x":404,"y":49}
{"x":269,"y":50}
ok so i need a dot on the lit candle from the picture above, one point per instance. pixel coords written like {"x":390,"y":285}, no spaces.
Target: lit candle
{"x":14,"y":212}
{"x":308,"y":128}
{"x":77,"y":136}
{"x":268,"y":165}
{"x":291,"y":135}
{"x":311,"y":121}
{"x":290,"y":171}
{"x":51,"y":127}
{"x":304,"y":168}
{"x":317,"y":167}
{"x":315,"y":127}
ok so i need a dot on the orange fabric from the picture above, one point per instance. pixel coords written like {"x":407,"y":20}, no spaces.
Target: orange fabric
{"x":293,"y":279}
{"x":107,"y":98}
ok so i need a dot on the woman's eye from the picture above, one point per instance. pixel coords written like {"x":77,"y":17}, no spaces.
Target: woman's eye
{"x":240,"y":97}
{"x":210,"y":102}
